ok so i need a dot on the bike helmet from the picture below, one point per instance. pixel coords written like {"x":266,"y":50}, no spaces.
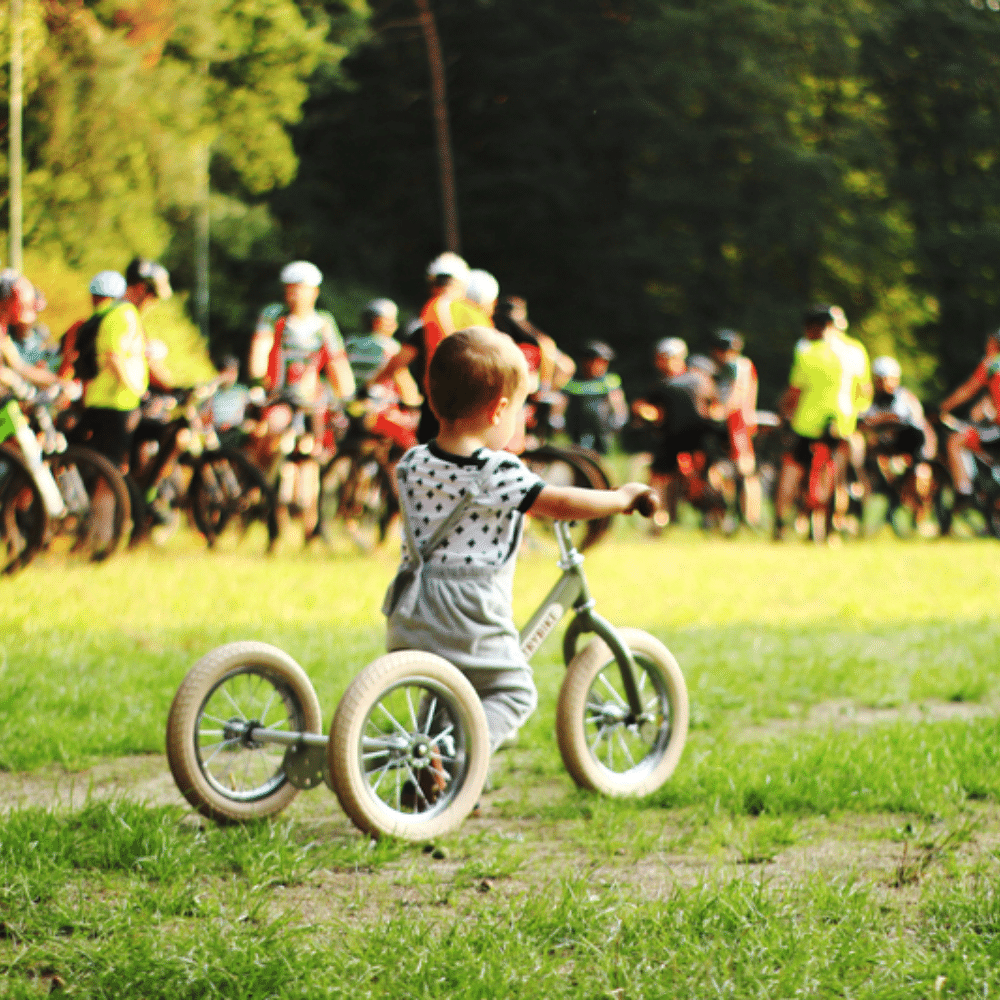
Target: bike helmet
{"x":481,"y":288}
{"x":154,"y":276}
{"x":727,"y":340}
{"x":448,"y":265}
{"x":672,"y":347}
{"x":379,"y":309}
{"x":598,"y":349}
{"x":301,"y":272}
{"x":817,"y":314}
{"x":108,"y":285}
{"x":886,"y":367}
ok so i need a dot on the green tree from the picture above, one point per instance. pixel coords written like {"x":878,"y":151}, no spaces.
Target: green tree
{"x":935,"y":66}
{"x":636,"y":169}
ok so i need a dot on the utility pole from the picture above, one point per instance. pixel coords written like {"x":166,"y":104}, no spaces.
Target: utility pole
{"x":15,"y":153}
{"x":442,"y":132}
{"x":202,"y":221}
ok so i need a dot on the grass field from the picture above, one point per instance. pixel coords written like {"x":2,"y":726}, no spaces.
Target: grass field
{"x":831,"y":829}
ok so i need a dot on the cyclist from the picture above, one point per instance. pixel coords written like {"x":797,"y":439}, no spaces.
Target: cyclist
{"x":386,"y":401}
{"x":897,"y":424}
{"x":811,"y":404}
{"x":596,"y":406}
{"x":18,"y":309}
{"x":684,"y":407}
{"x":111,"y":399}
{"x":369,"y":352}
{"x":549,"y":368}
{"x":986,"y":376}
{"x":33,"y":339}
{"x":736,"y":383}
{"x":106,"y":288}
{"x":292,"y":346}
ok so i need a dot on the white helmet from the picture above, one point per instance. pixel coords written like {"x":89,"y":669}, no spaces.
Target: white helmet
{"x":886,"y":367}
{"x":672,"y":347}
{"x":448,"y":264}
{"x":301,"y":272}
{"x":481,"y":288}
{"x":108,"y":284}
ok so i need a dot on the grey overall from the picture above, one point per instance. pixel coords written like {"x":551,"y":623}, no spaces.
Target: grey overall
{"x":463,"y":613}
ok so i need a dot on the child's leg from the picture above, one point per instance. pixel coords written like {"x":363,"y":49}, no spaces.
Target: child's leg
{"x":508,"y":697}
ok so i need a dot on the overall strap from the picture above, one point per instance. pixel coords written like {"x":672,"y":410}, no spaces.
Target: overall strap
{"x":473,"y":490}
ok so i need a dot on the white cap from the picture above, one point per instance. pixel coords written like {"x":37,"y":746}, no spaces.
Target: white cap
{"x":108,"y":284}
{"x":886,"y":367}
{"x":481,"y":288}
{"x":301,"y":272}
{"x":449,"y":264}
{"x":672,"y":347}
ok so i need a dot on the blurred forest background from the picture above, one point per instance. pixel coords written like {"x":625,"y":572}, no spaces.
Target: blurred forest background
{"x":634,"y":168}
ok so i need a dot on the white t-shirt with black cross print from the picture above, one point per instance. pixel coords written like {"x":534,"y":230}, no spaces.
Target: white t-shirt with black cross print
{"x":432,"y":481}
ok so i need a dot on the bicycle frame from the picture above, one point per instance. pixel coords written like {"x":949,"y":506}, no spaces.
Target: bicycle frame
{"x":571,"y":592}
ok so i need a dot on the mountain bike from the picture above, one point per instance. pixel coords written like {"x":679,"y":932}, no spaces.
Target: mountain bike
{"x":408,"y":750}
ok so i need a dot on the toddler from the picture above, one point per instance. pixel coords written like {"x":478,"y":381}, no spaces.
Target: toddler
{"x":463,"y":501}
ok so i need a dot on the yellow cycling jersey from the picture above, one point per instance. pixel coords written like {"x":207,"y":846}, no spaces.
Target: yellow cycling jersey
{"x":817,"y":372}
{"x":120,"y":334}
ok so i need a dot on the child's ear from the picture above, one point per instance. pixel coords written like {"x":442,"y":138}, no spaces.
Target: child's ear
{"x":498,"y":410}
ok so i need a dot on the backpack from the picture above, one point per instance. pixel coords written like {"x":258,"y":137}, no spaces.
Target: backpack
{"x":85,"y":345}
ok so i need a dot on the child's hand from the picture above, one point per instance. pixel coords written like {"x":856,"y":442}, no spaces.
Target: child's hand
{"x":640,"y":498}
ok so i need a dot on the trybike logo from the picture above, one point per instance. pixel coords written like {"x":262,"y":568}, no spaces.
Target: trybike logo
{"x":553,"y":613}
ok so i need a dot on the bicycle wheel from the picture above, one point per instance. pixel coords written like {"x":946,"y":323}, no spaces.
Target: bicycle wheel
{"x":960,"y":517}
{"x":409,"y":747}
{"x":24,"y":522}
{"x":356,"y":489}
{"x":572,"y":467}
{"x":98,"y":508}
{"x":602,"y":749}
{"x":228,"y":493}
{"x":218,"y":766}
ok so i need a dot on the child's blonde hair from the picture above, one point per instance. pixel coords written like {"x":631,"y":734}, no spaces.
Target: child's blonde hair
{"x":471,"y":370}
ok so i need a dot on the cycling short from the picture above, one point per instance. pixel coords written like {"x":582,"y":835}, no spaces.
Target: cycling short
{"x":801,"y":451}
{"x":691,"y":439}
{"x":108,"y":432}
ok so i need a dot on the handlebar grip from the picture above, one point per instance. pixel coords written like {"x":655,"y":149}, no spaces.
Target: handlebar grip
{"x":646,"y":504}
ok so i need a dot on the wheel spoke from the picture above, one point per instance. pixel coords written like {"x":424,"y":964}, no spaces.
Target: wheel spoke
{"x":229,"y":698}
{"x":614,"y":693}
{"x":392,"y":721}
{"x":624,"y":747}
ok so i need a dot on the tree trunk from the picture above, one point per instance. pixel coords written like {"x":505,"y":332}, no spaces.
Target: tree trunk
{"x":442,"y":132}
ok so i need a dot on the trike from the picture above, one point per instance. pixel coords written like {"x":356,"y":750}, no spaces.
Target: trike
{"x":408,"y":749}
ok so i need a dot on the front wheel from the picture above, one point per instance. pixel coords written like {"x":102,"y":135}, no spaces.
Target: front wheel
{"x":409,"y":747}
{"x":605,"y":749}
{"x":24,"y":522}
{"x":219,"y":767}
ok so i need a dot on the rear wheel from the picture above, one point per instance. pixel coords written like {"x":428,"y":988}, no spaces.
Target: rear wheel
{"x":409,"y":747}
{"x":573,"y":467}
{"x":220,"y":768}
{"x":356,"y":491}
{"x":24,"y":522}
{"x":228,"y":494}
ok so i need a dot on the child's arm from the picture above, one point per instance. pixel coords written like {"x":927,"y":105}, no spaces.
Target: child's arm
{"x":575,"y":503}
